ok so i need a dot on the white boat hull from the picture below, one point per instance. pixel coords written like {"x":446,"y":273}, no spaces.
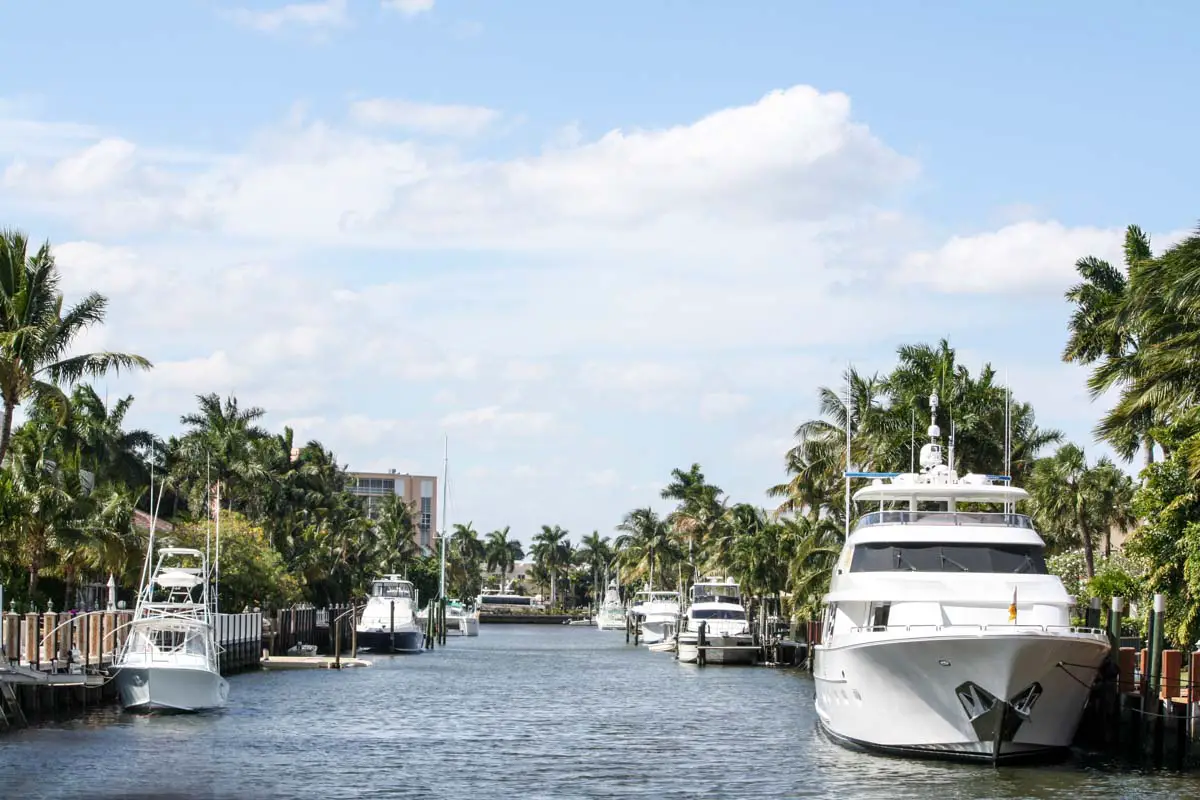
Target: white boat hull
{"x":462,"y":626}
{"x":989,"y":696}
{"x":721,"y":648}
{"x":171,"y":689}
{"x":611,"y":619}
{"x":655,"y":629}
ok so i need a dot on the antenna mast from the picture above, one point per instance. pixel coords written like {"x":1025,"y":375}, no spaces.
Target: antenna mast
{"x":1008,"y":440}
{"x":849,"y":406}
{"x":442,"y":543}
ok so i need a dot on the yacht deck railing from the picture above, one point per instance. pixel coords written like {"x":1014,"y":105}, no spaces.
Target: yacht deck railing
{"x":998,"y":518}
{"x":976,"y":627}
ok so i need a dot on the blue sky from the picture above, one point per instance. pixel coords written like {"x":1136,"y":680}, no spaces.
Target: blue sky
{"x":589,"y":243}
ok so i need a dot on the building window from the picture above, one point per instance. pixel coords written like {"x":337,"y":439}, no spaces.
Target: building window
{"x":426,"y":489}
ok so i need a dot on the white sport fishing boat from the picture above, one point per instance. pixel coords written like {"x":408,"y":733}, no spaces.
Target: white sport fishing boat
{"x":169,"y":660}
{"x":388,"y":623}
{"x":659,"y":613}
{"x":460,"y":620}
{"x":611,"y":616}
{"x":944,"y":635}
{"x":717,"y":604}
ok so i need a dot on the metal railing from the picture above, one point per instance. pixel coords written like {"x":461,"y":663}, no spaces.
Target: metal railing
{"x":945,"y":518}
{"x":965,"y":627}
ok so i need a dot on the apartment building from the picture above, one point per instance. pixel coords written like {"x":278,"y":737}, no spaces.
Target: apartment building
{"x":419,"y":491}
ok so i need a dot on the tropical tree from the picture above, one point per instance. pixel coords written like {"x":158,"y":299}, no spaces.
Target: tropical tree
{"x":36,"y":336}
{"x":645,"y":542}
{"x":466,"y":553}
{"x":552,"y":551}
{"x":595,"y":552}
{"x":1106,"y":332}
{"x":501,"y":553}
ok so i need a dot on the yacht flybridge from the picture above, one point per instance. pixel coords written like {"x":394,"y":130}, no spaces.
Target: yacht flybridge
{"x":944,"y":635}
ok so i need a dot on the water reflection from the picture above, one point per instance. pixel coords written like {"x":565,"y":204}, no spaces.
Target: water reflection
{"x":535,"y":712}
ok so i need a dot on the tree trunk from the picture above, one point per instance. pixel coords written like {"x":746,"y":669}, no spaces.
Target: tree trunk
{"x":1148,"y":445}
{"x":6,"y":431}
{"x":1089,"y":561}
{"x":553,"y":586}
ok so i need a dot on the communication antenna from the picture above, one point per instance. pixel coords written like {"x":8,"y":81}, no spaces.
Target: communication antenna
{"x":849,"y":409}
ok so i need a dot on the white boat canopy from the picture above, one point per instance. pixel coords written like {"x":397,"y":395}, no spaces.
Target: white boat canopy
{"x":178,"y":579}
{"x":971,"y":488}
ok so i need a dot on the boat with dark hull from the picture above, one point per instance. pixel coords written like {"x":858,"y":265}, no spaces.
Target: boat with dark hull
{"x":389,"y":622}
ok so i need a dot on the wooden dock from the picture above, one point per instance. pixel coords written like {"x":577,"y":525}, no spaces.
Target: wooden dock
{"x":53,"y":663}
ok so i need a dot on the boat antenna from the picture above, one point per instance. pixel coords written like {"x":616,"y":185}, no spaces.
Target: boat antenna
{"x":1008,"y":440}
{"x":442,"y":543}
{"x":849,"y":408}
{"x":912,"y":445}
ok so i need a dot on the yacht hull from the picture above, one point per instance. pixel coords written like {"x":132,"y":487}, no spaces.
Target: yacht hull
{"x":611,"y":620}
{"x":990,"y":696}
{"x":656,"y":629}
{"x":745,"y":653}
{"x":462,"y":626}
{"x":148,"y":689}
{"x":401,"y":641}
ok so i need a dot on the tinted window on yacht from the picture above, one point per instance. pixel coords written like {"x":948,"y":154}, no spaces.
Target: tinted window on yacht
{"x":958,"y":557}
{"x":718,"y":613}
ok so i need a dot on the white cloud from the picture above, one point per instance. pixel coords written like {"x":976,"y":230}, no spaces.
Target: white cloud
{"x":603,"y":477}
{"x":447,"y":120}
{"x":327,"y":14}
{"x":525,"y":371}
{"x":493,"y":419}
{"x":1021,"y":257}
{"x":743,"y":180}
{"x":409,"y":8}
{"x":721,"y":404}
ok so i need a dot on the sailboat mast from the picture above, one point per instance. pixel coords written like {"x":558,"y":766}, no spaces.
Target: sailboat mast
{"x":442,"y":543}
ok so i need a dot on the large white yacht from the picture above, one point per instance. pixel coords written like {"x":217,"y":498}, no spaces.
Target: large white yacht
{"x":611,"y":615}
{"x":717,"y":603}
{"x":944,"y":635}
{"x":169,"y":661}
{"x":388,"y":623}
{"x":659,"y":612}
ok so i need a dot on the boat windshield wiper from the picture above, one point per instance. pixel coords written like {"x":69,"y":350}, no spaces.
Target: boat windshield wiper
{"x":901,"y":562}
{"x":945,"y":558}
{"x":1025,"y":566}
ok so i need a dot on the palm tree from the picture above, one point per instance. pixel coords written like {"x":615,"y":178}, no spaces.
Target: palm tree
{"x":466,"y":551}
{"x":595,"y":553}
{"x":36,"y":336}
{"x":502,"y":553}
{"x":1103,"y":332}
{"x":1077,"y":503}
{"x":645,"y":542}
{"x":223,"y":436}
{"x":553,"y":554}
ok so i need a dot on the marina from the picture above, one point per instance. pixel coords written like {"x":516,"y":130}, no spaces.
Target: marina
{"x":544,"y":711}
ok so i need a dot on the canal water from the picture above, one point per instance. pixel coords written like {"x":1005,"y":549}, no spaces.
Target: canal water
{"x":519,"y":712}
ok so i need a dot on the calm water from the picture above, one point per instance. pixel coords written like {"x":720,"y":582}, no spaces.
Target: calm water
{"x":529,"y":711}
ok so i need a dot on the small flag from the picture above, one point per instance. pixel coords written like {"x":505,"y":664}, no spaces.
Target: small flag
{"x":1012,"y":610}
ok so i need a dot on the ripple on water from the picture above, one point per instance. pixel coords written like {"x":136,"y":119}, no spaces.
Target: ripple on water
{"x":521,"y":711}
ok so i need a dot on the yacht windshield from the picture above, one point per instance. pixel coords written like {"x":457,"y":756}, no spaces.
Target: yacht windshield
{"x":718,"y":613}
{"x":956,"y":557}
{"x":381,"y":589}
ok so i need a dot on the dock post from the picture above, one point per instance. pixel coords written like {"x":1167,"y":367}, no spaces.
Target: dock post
{"x":337,"y":643}
{"x":702,"y":644}
{"x":353,"y":631}
{"x":392,"y":624}
{"x":442,"y":621}
{"x":1093,"y":613}
{"x":1156,"y":647}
